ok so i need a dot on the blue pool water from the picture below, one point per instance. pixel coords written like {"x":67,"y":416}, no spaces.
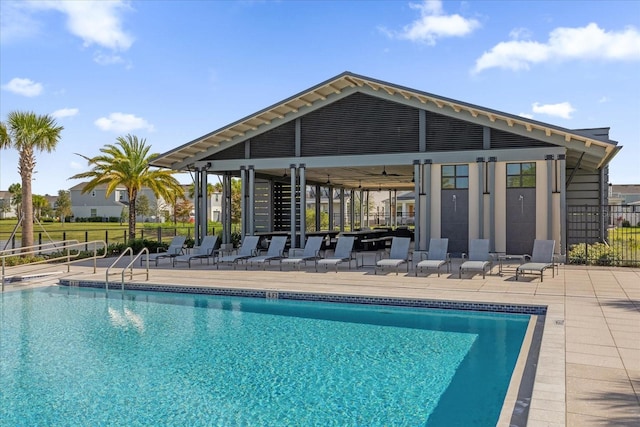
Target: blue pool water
{"x":73,"y":357}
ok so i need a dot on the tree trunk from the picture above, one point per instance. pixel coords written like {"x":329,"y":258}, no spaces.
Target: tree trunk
{"x":132,"y":218}
{"x":26,"y":172}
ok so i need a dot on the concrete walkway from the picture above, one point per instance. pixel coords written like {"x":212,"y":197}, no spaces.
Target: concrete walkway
{"x":589,"y":366}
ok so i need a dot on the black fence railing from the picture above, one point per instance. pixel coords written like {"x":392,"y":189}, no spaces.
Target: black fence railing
{"x":604,"y":235}
{"x":109,"y":235}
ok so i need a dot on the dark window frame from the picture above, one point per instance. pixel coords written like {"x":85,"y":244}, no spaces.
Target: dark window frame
{"x":524,"y":177}
{"x":459,"y":180}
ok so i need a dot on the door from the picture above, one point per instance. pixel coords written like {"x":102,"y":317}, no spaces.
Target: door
{"x":454,"y":207}
{"x":521,"y":207}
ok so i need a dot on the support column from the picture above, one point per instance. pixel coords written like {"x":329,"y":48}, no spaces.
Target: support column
{"x":352,"y":209}
{"x":563,"y":205}
{"x":204,"y":206}
{"x":243,"y":201}
{"x":292,"y":205}
{"x":303,"y":207}
{"x":196,"y":205}
{"x":330,"y":197}
{"x":342,"y":209}
{"x":226,"y":208}
{"x":492,"y":203}
{"x":549,"y":159}
{"x":317,"y":206}
{"x":426,"y":204}
{"x":417,"y":192}
{"x":481,"y":188}
{"x":252,"y":205}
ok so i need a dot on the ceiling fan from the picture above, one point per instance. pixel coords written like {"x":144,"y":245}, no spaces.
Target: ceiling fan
{"x":385,"y":173}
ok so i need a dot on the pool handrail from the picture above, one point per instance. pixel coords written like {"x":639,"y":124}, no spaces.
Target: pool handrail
{"x":132,"y":260}
{"x":63,"y":245}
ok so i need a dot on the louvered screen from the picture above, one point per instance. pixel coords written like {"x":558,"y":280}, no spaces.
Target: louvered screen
{"x":359,"y":124}
{"x":262,"y":209}
{"x":502,"y":139}
{"x":282,"y":207}
{"x":449,"y":134}
{"x":277,"y":142}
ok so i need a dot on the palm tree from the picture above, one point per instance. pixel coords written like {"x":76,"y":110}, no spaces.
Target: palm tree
{"x":27,"y":132}
{"x":126,"y":164}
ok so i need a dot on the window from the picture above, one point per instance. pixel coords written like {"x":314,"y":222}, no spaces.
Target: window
{"x":521,"y":175}
{"x":455,"y":177}
{"x":94,"y":213}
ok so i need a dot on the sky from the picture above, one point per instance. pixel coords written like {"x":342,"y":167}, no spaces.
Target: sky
{"x":172,"y":71}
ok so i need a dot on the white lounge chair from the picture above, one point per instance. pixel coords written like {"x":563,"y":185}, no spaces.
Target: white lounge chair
{"x":541,"y":259}
{"x":436,"y":257}
{"x":175,"y":248}
{"x":274,"y":252}
{"x":342,"y":253}
{"x":206,"y":250}
{"x":311,"y":252}
{"x":247,"y":250}
{"x":479,"y":258}
{"x":398,"y":255}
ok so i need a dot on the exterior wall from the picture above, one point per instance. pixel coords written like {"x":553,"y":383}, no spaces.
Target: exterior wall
{"x":436,"y":202}
{"x":105,"y":207}
{"x":501,"y":207}
{"x":474,"y":205}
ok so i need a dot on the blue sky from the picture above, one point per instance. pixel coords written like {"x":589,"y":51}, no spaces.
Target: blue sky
{"x":171,"y":71}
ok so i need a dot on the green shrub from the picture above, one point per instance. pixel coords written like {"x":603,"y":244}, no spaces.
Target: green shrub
{"x":626,"y":223}
{"x":19,"y":260}
{"x":594,"y":254}
{"x":137,"y":245}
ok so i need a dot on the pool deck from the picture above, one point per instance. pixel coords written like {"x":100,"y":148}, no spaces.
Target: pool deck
{"x":588,"y":371}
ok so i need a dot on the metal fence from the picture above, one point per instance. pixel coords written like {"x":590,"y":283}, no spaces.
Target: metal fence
{"x":604,"y":235}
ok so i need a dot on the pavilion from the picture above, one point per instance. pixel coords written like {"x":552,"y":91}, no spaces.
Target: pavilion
{"x":475,"y":172}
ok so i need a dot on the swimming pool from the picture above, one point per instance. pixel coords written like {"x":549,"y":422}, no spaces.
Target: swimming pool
{"x":70,"y":356}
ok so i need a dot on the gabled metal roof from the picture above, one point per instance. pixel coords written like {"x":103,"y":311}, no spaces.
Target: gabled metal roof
{"x":589,"y":148}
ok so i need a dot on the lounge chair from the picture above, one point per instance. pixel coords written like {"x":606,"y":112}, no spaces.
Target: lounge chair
{"x":247,"y":250}
{"x":436,"y":257}
{"x":398,"y":255}
{"x":311,"y":252}
{"x":479,"y":258}
{"x":342,"y":253}
{"x":175,"y":248}
{"x":206,"y":250}
{"x":541,"y":259}
{"x":274,"y":252}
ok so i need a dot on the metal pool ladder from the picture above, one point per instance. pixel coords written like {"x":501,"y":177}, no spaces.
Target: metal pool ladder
{"x":129,"y":267}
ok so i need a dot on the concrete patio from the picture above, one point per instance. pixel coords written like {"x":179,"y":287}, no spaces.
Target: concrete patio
{"x":589,"y":365}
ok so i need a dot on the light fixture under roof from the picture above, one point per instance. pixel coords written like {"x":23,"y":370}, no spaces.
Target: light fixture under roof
{"x":328,"y":180}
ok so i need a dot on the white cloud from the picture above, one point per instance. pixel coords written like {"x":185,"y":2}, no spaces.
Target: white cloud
{"x":562,"y":109}
{"x":24,"y":87}
{"x":583,"y":43}
{"x":526,"y":115}
{"x":95,"y":22}
{"x":120,"y":122}
{"x":65,"y":112}
{"x":434,"y":24}
{"x":603,"y":100}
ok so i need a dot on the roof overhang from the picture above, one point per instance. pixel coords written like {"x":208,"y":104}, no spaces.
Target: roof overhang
{"x":594,"y":151}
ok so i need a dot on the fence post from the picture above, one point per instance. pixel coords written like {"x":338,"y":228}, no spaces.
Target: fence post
{"x":106,"y":237}
{"x":586,"y":235}
{"x":159,"y":234}
{"x":64,"y":235}
{"x":125,"y":237}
